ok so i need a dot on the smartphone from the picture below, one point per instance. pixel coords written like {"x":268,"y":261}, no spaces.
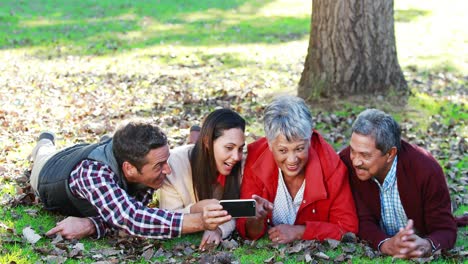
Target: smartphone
{"x":240,"y":207}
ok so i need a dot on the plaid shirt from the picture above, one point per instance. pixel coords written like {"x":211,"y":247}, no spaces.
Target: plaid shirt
{"x":97,"y":183}
{"x":392,"y":212}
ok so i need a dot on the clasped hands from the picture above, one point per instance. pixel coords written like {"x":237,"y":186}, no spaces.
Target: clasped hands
{"x":406,"y":244}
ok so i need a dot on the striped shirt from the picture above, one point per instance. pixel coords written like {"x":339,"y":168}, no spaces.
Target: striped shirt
{"x":97,"y":183}
{"x":392,"y":212}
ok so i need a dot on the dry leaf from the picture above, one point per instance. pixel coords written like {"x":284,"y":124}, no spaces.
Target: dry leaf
{"x":322,"y":255}
{"x":31,"y":235}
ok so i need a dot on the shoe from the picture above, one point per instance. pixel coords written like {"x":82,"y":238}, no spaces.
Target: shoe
{"x":44,"y":135}
{"x":47,"y":135}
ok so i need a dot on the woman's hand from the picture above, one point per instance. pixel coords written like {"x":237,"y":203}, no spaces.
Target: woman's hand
{"x":283,"y":234}
{"x":210,"y":239}
{"x":255,"y":225}
{"x":263,"y":207}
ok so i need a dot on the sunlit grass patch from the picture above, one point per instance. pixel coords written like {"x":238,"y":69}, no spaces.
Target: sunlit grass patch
{"x":432,"y":35}
{"x":428,"y":106}
{"x":106,"y":27}
{"x":17,"y":254}
{"x":7,"y":189}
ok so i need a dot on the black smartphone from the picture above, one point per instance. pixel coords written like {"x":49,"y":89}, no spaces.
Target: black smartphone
{"x":240,"y":208}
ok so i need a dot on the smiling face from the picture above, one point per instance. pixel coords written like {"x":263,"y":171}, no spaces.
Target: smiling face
{"x":368,"y":161}
{"x":291,"y":157}
{"x":227,"y":149}
{"x":153,"y":173}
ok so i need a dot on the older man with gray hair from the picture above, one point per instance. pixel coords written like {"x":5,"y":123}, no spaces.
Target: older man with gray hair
{"x":400,"y":190}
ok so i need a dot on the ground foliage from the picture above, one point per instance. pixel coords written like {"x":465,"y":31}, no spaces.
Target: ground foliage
{"x":84,"y":98}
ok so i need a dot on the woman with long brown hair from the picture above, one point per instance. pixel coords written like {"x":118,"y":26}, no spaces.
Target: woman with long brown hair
{"x":208,"y":171}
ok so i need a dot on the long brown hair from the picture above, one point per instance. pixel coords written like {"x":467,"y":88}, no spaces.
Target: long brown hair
{"x":202,"y":160}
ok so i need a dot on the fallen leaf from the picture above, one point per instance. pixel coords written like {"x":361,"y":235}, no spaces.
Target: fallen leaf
{"x":31,"y":235}
{"x":348,"y":248}
{"x":295,"y":248}
{"x":55,"y":259}
{"x":322,"y":255}
{"x":229,"y":244}
{"x":148,"y":254}
{"x":332,"y":243}
{"x":58,"y":238}
{"x":77,"y":250}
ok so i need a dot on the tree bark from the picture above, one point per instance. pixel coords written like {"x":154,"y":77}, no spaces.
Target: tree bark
{"x":351,"y":50}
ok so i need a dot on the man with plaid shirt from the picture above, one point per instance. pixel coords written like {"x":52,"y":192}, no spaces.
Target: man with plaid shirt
{"x":400,"y":190}
{"x":108,"y":185}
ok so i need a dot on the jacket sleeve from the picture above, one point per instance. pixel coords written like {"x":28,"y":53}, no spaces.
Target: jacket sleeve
{"x":227,"y":228}
{"x":249,"y":187}
{"x":342,"y":212}
{"x":440,"y":223}
{"x":171,"y":200}
{"x":364,"y":196}
{"x":369,"y":227}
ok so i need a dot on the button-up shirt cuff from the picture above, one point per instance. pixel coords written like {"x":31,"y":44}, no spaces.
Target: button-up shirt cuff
{"x":100,"y":227}
{"x":381,"y":242}
{"x":432,"y":244}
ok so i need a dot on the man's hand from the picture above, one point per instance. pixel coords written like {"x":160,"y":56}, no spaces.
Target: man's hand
{"x":406,"y":244}
{"x":214,"y":216}
{"x":198,"y":207}
{"x":73,"y":228}
{"x":417,"y":248}
{"x":283,"y":234}
{"x":210,"y":239}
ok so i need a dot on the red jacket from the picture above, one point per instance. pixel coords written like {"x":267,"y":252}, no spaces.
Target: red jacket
{"x":327,"y":209}
{"x":423,"y":193}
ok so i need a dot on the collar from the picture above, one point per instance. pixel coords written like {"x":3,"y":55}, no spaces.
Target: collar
{"x":390,"y":178}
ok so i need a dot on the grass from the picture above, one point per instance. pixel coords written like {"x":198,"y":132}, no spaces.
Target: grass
{"x":22,"y":253}
{"x":428,"y":106}
{"x":432,"y":36}
{"x":105,"y":27}
{"x":61,"y":52}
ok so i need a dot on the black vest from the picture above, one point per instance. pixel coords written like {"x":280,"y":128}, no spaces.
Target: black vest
{"x":53,"y":187}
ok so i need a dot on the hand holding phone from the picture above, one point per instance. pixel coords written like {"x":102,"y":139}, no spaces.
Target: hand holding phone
{"x":264,"y":207}
{"x":240,"y":207}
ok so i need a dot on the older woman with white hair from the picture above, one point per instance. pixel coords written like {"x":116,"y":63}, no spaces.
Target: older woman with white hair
{"x":298,"y":180}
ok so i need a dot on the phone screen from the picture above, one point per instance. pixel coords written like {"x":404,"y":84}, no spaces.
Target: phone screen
{"x":239,"y":208}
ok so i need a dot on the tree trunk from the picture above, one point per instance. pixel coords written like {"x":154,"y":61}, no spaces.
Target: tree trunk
{"x":351,"y":50}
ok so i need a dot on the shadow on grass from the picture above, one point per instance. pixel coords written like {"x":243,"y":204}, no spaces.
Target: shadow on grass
{"x":410,"y":15}
{"x":103,"y":27}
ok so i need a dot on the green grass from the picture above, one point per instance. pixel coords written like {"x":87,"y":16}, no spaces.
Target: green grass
{"x":57,"y":28}
{"x":429,"y":106}
{"x":18,"y":254}
{"x":431,"y":35}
